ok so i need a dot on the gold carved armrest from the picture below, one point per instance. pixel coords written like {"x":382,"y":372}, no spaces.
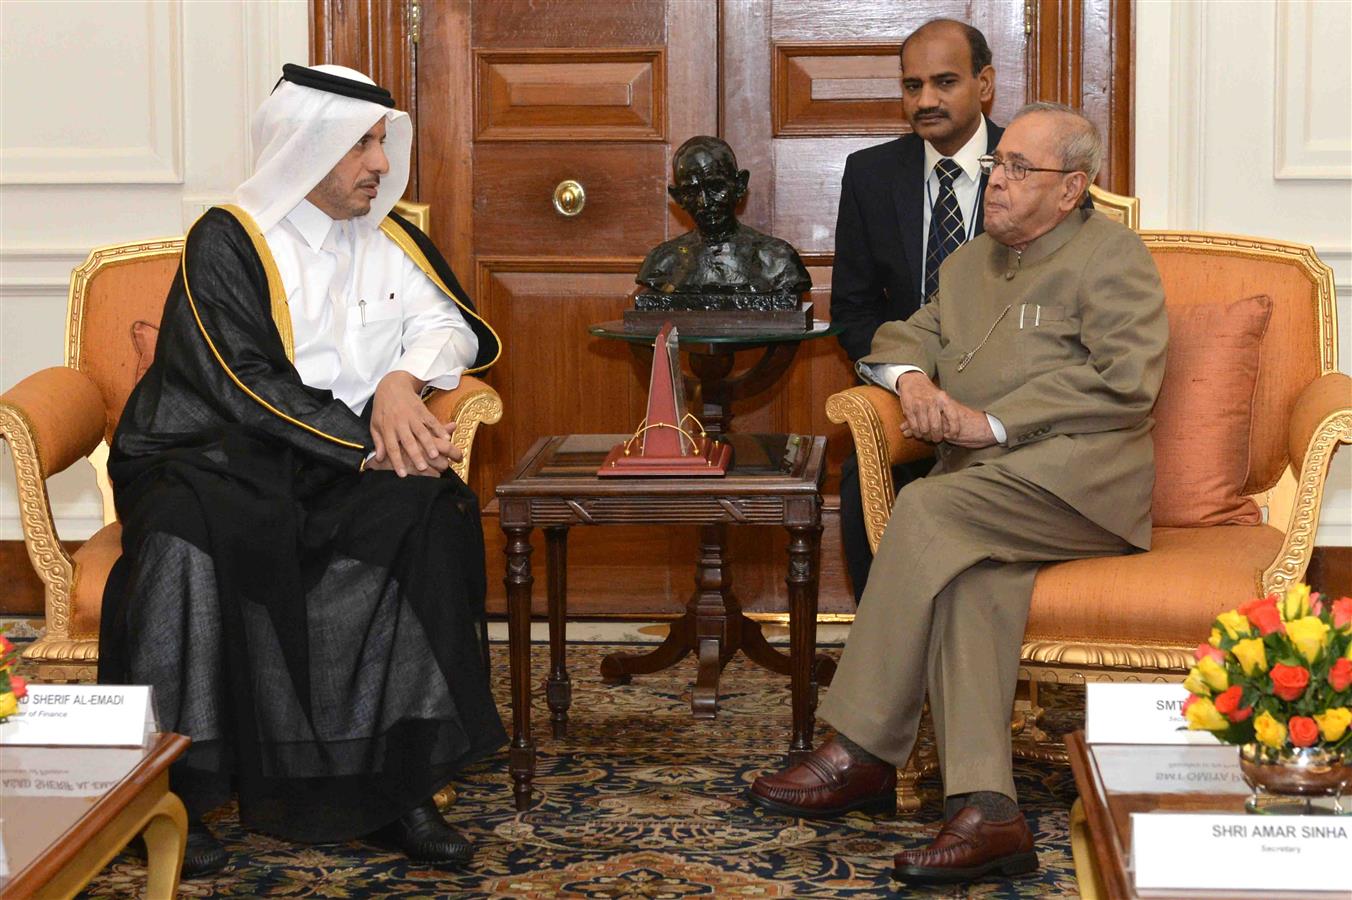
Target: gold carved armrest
{"x":469,"y":405}
{"x":875,"y":421}
{"x":1320,"y":421}
{"x":50,"y":420}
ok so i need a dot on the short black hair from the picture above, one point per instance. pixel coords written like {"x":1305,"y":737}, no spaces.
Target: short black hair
{"x":976,"y":42}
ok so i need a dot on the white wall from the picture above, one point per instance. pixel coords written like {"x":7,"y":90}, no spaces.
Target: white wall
{"x":1244,"y":125}
{"x":118,"y":121}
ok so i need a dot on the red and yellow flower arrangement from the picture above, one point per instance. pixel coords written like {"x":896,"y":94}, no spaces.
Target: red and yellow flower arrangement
{"x":1278,"y":671}
{"x":12,"y":687}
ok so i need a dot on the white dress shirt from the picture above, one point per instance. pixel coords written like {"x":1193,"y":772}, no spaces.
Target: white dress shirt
{"x":360,"y":308}
{"x":966,"y":189}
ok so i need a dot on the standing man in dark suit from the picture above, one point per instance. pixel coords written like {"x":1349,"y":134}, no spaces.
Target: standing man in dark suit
{"x":904,"y":206}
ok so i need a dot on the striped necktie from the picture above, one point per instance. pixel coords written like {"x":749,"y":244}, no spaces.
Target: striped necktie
{"x":945,"y":228}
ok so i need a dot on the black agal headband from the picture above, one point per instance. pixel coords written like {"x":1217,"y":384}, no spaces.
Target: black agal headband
{"x":334,"y":84}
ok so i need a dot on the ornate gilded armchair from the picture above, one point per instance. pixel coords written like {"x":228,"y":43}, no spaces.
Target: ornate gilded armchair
{"x":1138,"y":617}
{"x":59,"y":415}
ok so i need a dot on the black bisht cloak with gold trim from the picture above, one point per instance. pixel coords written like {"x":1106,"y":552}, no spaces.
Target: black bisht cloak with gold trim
{"x":318,"y":631}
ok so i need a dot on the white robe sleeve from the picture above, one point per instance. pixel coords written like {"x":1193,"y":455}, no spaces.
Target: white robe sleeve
{"x":438,"y":343}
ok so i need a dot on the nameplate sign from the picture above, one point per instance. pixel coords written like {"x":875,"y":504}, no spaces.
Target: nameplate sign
{"x":1139,"y":714}
{"x":64,"y":772}
{"x":1177,"y":769}
{"x":1237,"y":852}
{"x":81,"y":715}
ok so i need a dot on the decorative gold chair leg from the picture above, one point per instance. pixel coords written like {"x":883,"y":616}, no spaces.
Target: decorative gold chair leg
{"x":445,"y":798}
{"x":924,"y":761}
{"x":908,"y":794}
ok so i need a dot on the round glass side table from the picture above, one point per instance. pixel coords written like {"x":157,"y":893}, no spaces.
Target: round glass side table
{"x":711,"y":359}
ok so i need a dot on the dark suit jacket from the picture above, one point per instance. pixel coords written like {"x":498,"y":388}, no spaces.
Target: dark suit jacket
{"x":879,"y":236}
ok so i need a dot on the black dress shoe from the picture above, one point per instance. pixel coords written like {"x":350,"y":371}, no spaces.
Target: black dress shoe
{"x":423,"y":836}
{"x":203,"y":854}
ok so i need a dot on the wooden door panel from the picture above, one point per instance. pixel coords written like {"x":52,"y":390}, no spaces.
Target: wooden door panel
{"x":571,"y":95}
{"x":570,"y":23}
{"x":806,"y":183}
{"x":835,"y":89}
{"x":625,"y":210}
{"x":555,"y":377}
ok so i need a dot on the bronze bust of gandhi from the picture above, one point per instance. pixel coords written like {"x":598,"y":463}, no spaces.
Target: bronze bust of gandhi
{"x":722,"y":264}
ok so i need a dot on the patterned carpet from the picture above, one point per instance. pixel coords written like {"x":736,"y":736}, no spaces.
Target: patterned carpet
{"x":639,"y":801}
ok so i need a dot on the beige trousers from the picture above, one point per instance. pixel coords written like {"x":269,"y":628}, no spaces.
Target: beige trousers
{"x":944,"y":612}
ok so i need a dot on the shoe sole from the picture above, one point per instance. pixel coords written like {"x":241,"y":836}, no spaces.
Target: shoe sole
{"x":1008,"y":866}
{"x":886,"y":803}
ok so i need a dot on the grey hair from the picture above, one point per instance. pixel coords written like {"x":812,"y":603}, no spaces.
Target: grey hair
{"x":1081,"y":147}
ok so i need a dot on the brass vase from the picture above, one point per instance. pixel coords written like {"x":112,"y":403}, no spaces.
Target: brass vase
{"x":1296,"y":781}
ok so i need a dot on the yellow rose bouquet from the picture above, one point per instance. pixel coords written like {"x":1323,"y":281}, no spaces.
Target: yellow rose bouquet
{"x":12,"y":687}
{"x":1277,"y":671}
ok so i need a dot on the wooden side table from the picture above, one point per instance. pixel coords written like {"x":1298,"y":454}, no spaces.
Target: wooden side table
{"x":774,"y":480}
{"x":60,"y":829}
{"x":1117,"y":780}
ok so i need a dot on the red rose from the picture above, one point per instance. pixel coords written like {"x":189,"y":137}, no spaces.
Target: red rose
{"x":1289,"y":682}
{"x":1303,"y":731}
{"x":1263,"y":614}
{"x":1340,"y":676}
{"x":1227,"y":704}
{"x":5,"y":646}
{"x":1342,"y":612}
{"x":18,"y":686}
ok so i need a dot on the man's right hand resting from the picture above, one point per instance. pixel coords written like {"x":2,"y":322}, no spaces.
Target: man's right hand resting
{"x":932,"y":415}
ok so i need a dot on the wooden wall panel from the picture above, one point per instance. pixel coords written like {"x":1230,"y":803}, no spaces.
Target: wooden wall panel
{"x":821,"y":88}
{"x":557,"y":378}
{"x":552,"y":95}
{"x":1082,"y":54}
{"x":625,"y":212}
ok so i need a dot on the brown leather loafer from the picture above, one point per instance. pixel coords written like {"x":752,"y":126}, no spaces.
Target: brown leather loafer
{"x":828,"y":783}
{"x":968,"y":847}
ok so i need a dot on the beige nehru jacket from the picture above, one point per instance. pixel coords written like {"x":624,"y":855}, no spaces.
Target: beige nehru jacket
{"x":1065,"y":345}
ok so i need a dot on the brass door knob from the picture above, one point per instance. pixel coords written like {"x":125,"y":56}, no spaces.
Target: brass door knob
{"x":569,"y":198}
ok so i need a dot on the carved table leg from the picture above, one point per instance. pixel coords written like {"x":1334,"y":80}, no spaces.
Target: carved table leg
{"x":715,"y":391}
{"x":618,"y":667}
{"x":521,"y":757}
{"x":712,"y":626}
{"x":558,"y":687}
{"x":711,"y":602}
{"x":802,"y":584}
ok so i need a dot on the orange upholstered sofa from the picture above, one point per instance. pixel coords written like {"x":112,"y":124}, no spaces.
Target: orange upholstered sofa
{"x":60,"y":415}
{"x":1139,"y":617}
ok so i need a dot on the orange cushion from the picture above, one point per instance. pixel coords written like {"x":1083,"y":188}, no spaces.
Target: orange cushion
{"x":93,"y":561}
{"x":1168,"y":595}
{"x":144,"y":335}
{"x":1204,"y":414}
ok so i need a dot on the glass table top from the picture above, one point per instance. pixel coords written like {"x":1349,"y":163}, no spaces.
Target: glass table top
{"x":614,"y":330}
{"x":46,"y":790}
{"x":580,"y":455}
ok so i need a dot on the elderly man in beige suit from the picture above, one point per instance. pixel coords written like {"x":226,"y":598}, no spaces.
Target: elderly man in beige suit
{"x":1047,"y":342}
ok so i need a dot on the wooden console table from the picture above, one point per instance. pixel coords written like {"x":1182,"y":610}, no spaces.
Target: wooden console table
{"x":773,"y":480}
